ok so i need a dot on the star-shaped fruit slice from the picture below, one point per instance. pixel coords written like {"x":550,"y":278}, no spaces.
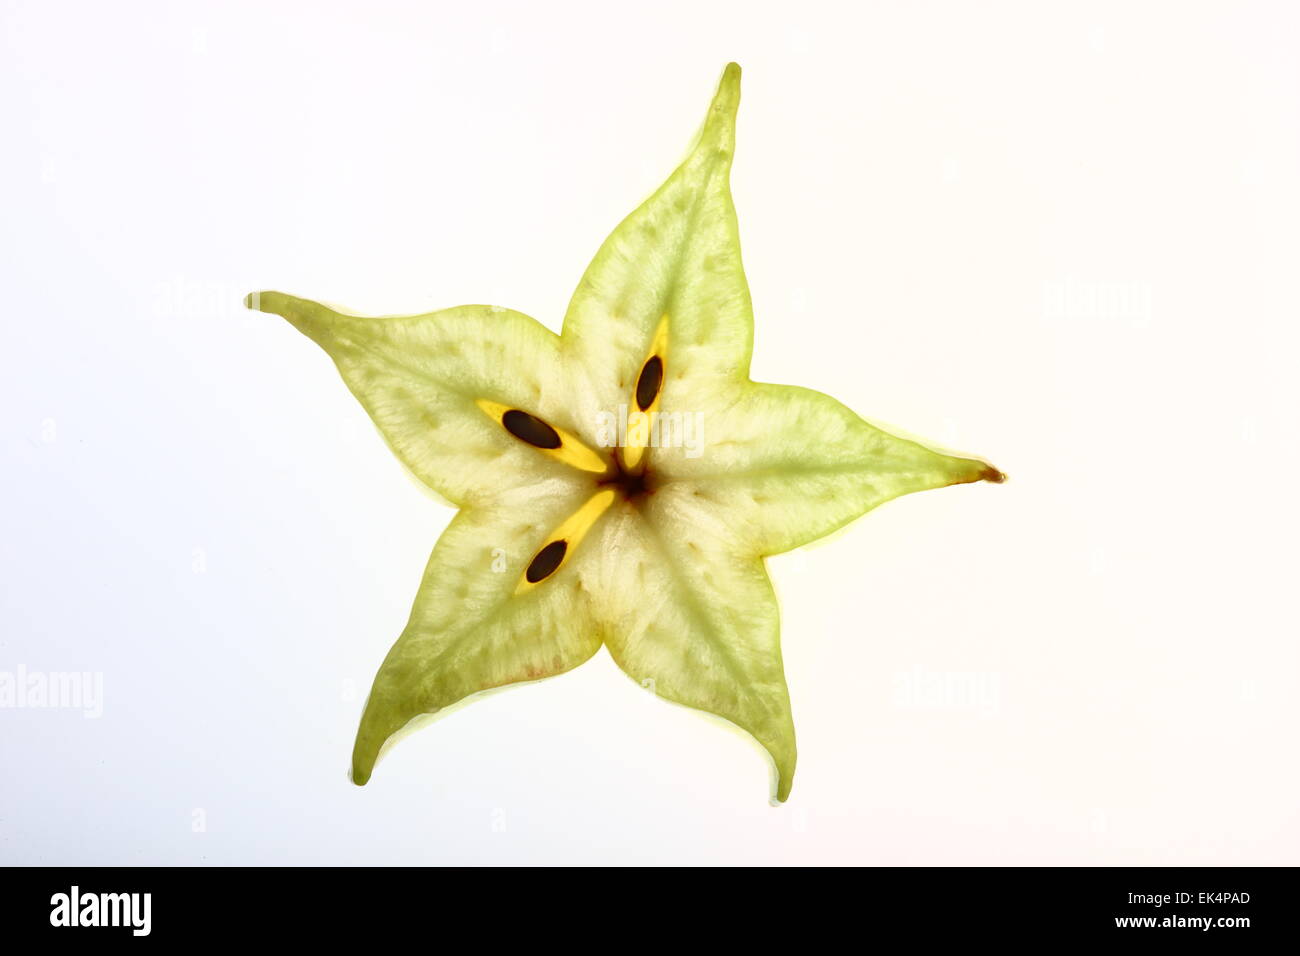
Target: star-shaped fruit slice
{"x":620,"y":483}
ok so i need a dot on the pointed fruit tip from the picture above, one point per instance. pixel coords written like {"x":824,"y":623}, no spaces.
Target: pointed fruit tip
{"x":729,"y":85}
{"x":992,"y":474}
{"x":719,"y":133}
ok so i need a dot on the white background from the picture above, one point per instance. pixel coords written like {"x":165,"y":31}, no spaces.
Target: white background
{"x":1061,"y":237}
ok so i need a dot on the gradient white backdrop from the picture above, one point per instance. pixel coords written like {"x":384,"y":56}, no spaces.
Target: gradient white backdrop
{"x":1059,"y":236}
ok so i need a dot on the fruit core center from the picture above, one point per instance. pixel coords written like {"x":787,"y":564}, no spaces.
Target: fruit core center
{"x":633,"y":486}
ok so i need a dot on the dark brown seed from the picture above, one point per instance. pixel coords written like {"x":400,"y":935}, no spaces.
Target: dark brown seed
{"x":547,"y":560}
{"x":532,"y":430}
{"x":647,"y":386}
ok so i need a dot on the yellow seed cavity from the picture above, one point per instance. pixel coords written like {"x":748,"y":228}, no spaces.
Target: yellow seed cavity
{"x":571,"y":451}
{"x":638,"y":421}
{"x":571,"y":531}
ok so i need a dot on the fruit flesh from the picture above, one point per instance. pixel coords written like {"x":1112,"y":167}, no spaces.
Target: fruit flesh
{"x":653,"y":551}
